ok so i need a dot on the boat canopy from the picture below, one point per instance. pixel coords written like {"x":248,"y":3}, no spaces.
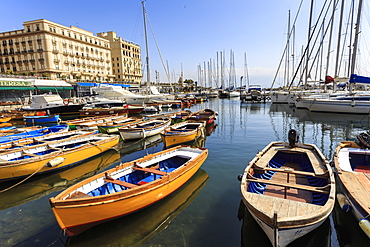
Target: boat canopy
{"x":359,"y":79}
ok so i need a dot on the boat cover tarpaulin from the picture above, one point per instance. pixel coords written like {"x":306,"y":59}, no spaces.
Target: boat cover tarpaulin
{"x":359,"y":79}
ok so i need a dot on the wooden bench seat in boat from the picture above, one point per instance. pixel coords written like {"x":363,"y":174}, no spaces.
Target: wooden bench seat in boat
{"x":268,"y":205}
{"x":119,"y":182}
{"x":287,"y":170}
{"x":358,"y":186}
{"x":151,"y":170}
{"x":325,"y":189}
{"x":318,"y":168}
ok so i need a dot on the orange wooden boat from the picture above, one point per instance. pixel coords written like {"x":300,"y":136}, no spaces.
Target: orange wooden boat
{"x":126,"y":188}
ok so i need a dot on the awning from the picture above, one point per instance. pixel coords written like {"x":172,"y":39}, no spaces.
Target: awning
{"x":54,"y":89}
{"x":121,"y":85}
{"x":87,"y":84}
{"x":17,"y":88}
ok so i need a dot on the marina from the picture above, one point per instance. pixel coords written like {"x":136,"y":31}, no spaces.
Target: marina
{"x":207,"y":210}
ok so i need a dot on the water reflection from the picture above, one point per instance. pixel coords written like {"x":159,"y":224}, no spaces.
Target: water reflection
{"x":26,"y":217}
{"x":138,"y":228}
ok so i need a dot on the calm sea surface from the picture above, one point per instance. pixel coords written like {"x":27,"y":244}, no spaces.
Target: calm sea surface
{"x":207,"y":210}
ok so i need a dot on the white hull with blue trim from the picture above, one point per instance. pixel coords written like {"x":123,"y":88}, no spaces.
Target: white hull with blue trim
{"x":289,"y":189}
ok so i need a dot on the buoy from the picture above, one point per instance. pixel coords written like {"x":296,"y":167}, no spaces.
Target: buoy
{"x":365,"y":226}
{"x":240,"y":176}
{"x":55,"y":162}
{"x":344,"y":203}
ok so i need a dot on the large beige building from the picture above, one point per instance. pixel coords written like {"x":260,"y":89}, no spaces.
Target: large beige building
{"x":126,"y":58}
{"x":49,"y":49}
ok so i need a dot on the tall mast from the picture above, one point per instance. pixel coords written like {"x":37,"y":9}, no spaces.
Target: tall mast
{"x":308,"y":45}
{"x":146,"y":46}
{"x":357,"y":28}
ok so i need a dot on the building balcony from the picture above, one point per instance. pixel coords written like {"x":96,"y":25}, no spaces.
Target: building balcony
{"x":56,"y":60}
{"x":19,"y":61}
{"x":31,"y":51}
{"x":55,"y":51}
{"x":39,"y":50}
{"x":24,"y":51}
{"x":41,"y":59}
{"x":17,"y":52}
{"x":67,"y":62}
{"x":23,"y":42}
{"x":29,"y":41}
{"x":32,"y":60}
{"x":38,"y":40}
{"x":25,"y":61}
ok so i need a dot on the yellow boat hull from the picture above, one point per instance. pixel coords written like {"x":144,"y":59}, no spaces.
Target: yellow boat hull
{"x":75,"y":217}
{"x":171,"y":140}
{"x":38,"y":165}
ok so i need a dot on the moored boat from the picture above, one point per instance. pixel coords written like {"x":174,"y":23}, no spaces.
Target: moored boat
{"x":93,"y":124}
{"x":180,"y":116}
{"x":182,"y":133}
{"x":41,"y":119}
{"x":207,"y":115}
{"x":112,"y":127}
{"x":289,"y":189}
{"x":53,"y":155}
{"x":146,"y":128}
{"x":21,"y":133}
{"x":126,"y":188}
{"x":351,"y":162}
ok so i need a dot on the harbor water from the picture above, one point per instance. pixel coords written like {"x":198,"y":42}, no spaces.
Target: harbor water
{"x":207,"y":210}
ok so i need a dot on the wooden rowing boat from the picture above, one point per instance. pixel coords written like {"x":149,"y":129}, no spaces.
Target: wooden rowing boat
{"x":207,"y":115}
{"x":182,"y":133}
{"x":35,"y":189}
{"x":180,"y":116}
{"x":112,"y":127}
{"x":137,"y":229}
{"x":26,"y":142}
{"x":73,"y":122}
{"x":126,"y":188}
{"x":53,"y":155}
{"x":289,"y":189}
{"x":352,"y":165}
{"x":93,"y":125}
{"x":28,"y":132}
{"x":146,"y":128}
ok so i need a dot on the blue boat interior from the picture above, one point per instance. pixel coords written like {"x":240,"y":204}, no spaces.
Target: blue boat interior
{"x":138,"y":177}
{"x":303,"y":161}
{"x":360,"y":161}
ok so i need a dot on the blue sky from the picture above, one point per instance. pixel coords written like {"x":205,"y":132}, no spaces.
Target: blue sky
{"x":188,"y":32}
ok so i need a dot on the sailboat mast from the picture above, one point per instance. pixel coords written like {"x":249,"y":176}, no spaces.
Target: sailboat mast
{"x":357,"y":28}
{"x":146,"y":47}
{"x":308,"y":44}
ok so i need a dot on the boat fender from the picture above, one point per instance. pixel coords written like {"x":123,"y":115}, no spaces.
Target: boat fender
{"x":343,"y":203}
{"x":55,"y":162}
{"x":66,"y":101}
{"x":365,"y":226}
{"x":240,"y":176}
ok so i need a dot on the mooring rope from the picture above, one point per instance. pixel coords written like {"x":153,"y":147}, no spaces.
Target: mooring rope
{"x":25,"y":179}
